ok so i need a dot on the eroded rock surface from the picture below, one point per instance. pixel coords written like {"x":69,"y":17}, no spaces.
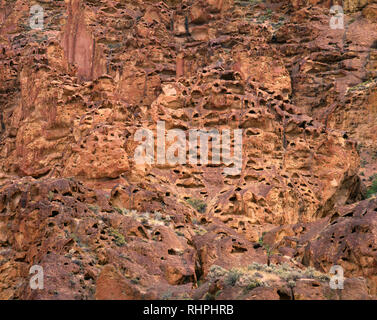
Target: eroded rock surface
{"x":74,"y":200}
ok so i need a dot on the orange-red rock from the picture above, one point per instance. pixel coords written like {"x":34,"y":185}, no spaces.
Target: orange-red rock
{"x":73,"y":199}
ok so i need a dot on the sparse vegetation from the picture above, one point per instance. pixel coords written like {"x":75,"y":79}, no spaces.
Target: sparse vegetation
{"x":262,"y":18}
{"x":179,"y":233}
{"x":232,"y":277}
{"x":267,"y":247}
{"x":75,"y":238}
{"x":119,"y":238}
{"x":352,"y":20}
{"x":119,"y":210}
{"x":373,"y":188}
{"x":262,"y":275}
{"x":254,"y":283}
{"x":200,"y":231}
{"x":361,"y":86}
{"x":216,"y":272}
{"x":197,"y":204}
{"x":185,"y":296}
{"x":209,"y":296}
{"x":94,"y":208}
{"x":167,"y":295}
{"x":287,"y":273}
{"x":248,"y":2}
{"x":153,"y":219}
{"x":260,"y":240}
{"x":125,"y":257}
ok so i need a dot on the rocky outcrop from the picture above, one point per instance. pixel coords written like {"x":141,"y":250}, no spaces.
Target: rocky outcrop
{"x":74,"y":200}
{"x":348,"y":238}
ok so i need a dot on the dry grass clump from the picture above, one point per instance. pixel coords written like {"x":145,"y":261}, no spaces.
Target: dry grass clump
{"x":256,"y":275}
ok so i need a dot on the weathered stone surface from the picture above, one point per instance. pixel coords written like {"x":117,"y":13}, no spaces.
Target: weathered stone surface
{"x":348,"y":239}
{"x":74,"y":200}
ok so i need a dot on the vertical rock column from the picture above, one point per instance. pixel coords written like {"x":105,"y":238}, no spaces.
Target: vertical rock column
{"x":79,"y":44}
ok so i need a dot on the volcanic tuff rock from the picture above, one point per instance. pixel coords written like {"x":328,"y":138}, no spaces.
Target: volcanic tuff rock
{"x":73,"y":199}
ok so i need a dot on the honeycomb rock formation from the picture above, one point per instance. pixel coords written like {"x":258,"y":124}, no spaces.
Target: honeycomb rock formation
{"x":74,"y":200}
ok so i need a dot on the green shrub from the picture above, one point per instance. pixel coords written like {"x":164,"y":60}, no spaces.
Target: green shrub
{"x":291,"y":283}
{"x":197,"y":204}
{"x":232,"y":277}
{"x":373,"y":188}
{"x":218,"y":293}
{"x":119,"y":238}
{"x":216,"y":272}
{"x":179,"y":234}
{"x":253,"y":284}
{"x":361,"y":86}
{"x":255,"y":266}
{"x":200,"y":231}
{"x":119,"y":210}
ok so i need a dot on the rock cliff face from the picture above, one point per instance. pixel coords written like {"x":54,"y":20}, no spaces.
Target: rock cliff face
{"x":75,"y":95}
